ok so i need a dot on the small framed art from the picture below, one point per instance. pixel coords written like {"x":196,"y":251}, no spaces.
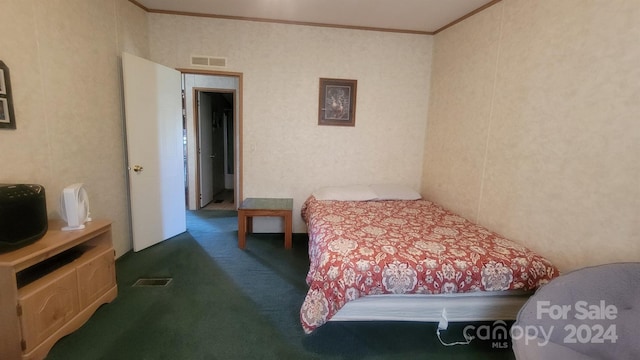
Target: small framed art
{"x":3,"y":86}
{"x":4,"y":112}
{"x":337,"y":105}
{"x":7,"y":118}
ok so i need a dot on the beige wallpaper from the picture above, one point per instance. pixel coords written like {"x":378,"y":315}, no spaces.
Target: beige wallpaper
{"x":286,"y":154}
{"x":65,"y":73}
{"x":64,"y":57}
{"x":533,"y":126}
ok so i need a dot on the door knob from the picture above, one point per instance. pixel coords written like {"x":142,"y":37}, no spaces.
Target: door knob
{"x":137,"y":168}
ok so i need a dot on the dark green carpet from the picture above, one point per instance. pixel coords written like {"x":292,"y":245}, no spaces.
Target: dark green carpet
{"x":225,"y":303}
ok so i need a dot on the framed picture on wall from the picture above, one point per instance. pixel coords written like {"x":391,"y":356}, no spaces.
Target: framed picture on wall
{"x":337,"y":105}
{"x":7,"y":117}
{"x":4,"y":111}
{"x":3,"y":85}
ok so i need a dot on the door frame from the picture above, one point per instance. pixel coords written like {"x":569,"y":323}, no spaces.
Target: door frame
{"x":192,"y":139}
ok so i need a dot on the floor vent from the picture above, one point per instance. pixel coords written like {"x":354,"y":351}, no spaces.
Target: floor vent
{"x":208,"y":61}
{"x":152,"y":282}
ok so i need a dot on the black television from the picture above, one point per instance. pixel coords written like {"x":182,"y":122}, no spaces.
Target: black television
{"x":23,"y":215}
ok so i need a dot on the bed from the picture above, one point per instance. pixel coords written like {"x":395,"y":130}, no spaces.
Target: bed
{"x":381,"y":252}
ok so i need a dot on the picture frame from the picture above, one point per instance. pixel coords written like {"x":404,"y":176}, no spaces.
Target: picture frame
{"x":7,"y":117}
{"x":3,"y":86}
{"x":4,"y":111}
{"x":337,"y":103}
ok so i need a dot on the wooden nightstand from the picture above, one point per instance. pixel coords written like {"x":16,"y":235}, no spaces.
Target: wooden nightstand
{"x":251,"y":207}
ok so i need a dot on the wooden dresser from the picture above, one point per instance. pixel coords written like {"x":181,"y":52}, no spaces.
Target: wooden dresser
{"x":48,"y":289}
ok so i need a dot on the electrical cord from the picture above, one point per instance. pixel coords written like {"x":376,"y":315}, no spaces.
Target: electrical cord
{"x":468,"y":339}
{"x":443,"y":324}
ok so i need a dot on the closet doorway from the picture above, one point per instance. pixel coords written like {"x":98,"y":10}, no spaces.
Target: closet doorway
{"x":213,"y":140}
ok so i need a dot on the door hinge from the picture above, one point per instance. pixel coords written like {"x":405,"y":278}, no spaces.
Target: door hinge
{"x":184,"y":108}
{"x":19,"y":309}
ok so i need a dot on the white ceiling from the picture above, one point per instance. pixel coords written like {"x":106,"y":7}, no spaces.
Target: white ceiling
{"x":421,"y":16}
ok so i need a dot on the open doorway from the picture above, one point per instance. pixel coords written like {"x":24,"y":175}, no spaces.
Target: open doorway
{"x":214,"y":114}
{"x":213,"y":139}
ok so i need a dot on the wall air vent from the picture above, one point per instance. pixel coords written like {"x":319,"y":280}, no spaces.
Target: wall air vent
{"x":208,"y":61}
{"x":200,"y":60}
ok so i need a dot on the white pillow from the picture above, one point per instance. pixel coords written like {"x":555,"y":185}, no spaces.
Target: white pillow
{"x":345,"y":193}
{"x":394,"y":192}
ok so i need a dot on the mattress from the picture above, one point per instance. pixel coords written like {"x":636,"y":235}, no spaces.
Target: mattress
{"x":377,"y":248}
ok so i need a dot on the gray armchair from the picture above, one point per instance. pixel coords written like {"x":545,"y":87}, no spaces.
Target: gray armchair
{"x":590,"y":313}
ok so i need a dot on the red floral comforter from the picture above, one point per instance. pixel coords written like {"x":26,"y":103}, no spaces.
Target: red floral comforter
{"x":359,"y":248}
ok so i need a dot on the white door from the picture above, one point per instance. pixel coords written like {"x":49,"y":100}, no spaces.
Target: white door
{"x":153,"y":111}
{"x":206,"y":153}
